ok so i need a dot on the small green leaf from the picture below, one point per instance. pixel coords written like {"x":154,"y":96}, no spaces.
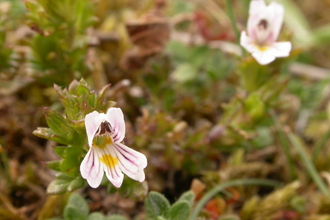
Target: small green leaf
{"x":188,"y":196}
{"x":57,"y":122}
{"x":179,"y":211}
{"x":70,"y":213}
{"x":185,"y":72}
{"x":115,"y":217}
{"x":82,"y":90}
{"x":254,"y":106}
{"x":96,"y":216}
{"x":76,"y":205}
{"x":70,"y":161}
{"x":49,"y":134}
{"x":156,"y":205}
{"x":60,"y":151}
{"x":76,"y":184}
{"x":54,"y":165}
{"x":57,"y":186}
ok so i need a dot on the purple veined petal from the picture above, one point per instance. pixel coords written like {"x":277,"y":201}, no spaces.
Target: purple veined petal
{"x":263,"y":57}
{"x":92,"y":123}
{"x":110,"y":164}
{"x":256,"y":7}
{"x":91,"y":169}
{"x":277,"y":11}
{"x":246,"y":42}
{"x":280,"y":49}
{"x":116,"y":119}
{"x":131,"y":162}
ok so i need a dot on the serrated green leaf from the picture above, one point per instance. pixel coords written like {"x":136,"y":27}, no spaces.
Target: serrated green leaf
{"x":62,"y":176}
{"x":57,"y":186}
{"x":188,"y":196}
{"x":179,"y":211}
{"x":57,"y":123}
{"x":91,"y":100}
{"x":60,"y":151}
{"x":76,"y":205}
{"x":82,"y":91}
{"x":70,"y":161}
{"x":96,"y":216}
{"x":156,"y":205}
{"x":49,"y":134}
{"x":54,"y":165}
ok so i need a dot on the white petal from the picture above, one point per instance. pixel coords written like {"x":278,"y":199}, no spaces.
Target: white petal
{"x":116,"y":118}
{"x":110,"y":164}
{"x":256,"y":6}
{"x":277,"y":11}
{"x":132,"y":162}
{"x":92,"y":123}
{"x":263,"y":57}
{"x":245,"y":42}
{"x":255,"y":10}
{"x":280,"y":49}
{"x":91,"y":169}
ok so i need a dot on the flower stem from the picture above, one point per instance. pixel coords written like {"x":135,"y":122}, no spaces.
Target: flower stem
{"x":309,"y":165}
{"x":320,"y":144}
{"x":284,"y":144}
{"x":231,"y":15}
{"x":223,"y":186}
{"x":6,"y":166}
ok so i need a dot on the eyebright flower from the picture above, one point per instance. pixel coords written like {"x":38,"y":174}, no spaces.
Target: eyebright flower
{"x":264,"y":25}
{"x":105,"y":132}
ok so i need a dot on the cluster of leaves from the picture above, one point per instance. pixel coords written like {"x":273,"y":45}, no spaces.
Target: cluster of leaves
{"x":69,"y":131}
{"x":195,"y":112}
{"x":59,"y":48}
{"x":77,"y":209}
{"x":159,"y":208}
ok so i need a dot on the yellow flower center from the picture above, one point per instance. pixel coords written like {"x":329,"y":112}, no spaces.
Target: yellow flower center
{"x":102,"y":141}
{"x":262,"y":48}
{"x":109,"y":160}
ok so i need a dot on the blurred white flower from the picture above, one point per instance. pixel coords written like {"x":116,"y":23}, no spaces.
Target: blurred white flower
{"x":264,"y":25}
{"x":106,"y":153}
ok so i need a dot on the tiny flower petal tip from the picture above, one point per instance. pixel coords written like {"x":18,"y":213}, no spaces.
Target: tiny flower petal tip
{"x":105,"y":132}
{"x":263,"y":28}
